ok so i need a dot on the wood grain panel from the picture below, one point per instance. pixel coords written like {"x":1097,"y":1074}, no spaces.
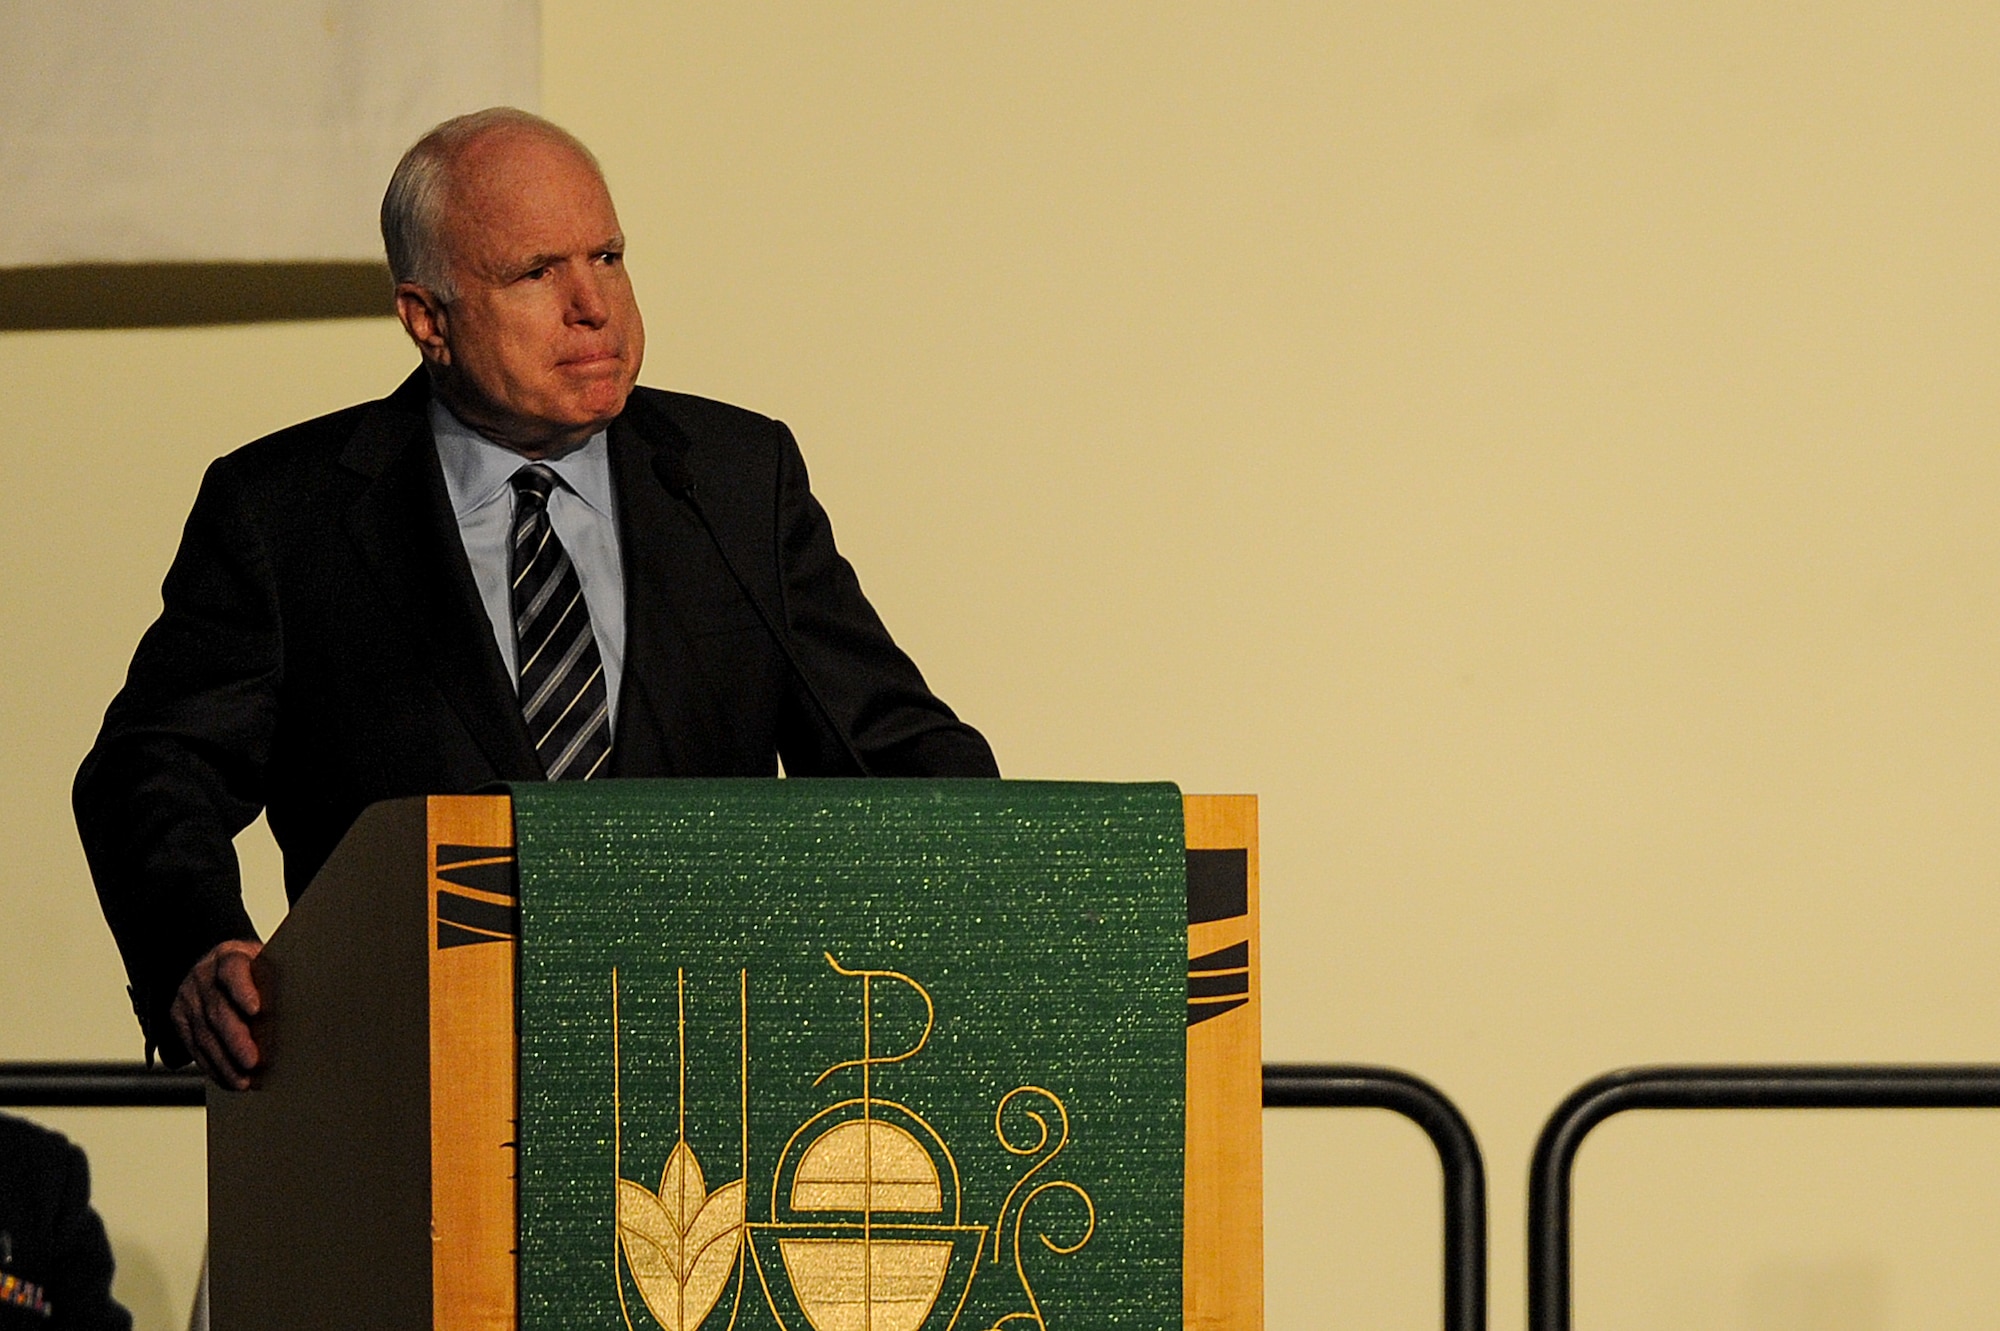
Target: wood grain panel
{"x":1223,"y":1279}
{"x":473,"y":1063}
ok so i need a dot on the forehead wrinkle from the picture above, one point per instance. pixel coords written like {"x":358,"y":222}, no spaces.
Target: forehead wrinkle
{"x":472,"y":242}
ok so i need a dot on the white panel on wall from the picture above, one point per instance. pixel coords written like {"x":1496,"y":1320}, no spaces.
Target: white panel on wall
{"x":233,"y":130}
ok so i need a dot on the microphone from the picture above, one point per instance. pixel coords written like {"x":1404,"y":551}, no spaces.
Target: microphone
{"x":674,"y":474}
{"x":672,"y":469}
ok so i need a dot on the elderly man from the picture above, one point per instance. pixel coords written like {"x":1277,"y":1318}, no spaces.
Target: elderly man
{"x":517,"y":566}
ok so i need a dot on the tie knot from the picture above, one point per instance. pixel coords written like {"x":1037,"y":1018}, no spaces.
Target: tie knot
{"x":535,"y":481}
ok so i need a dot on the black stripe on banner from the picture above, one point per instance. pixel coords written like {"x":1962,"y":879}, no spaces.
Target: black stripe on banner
{"x":1200,"y":1012}
{"x":450,"y":935}
{"x":473,"y":913}
{"x":1218,"y":884}
{"x":1235,"y":957}
{"x":448,"y":853}
{"x":496,"y":877}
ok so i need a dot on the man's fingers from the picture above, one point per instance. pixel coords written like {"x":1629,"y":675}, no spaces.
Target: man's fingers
{"x":215,"y":1060}
{"x":211,"y":1049}
{"x":233,"y":972}
{"x":228,"y":1030}
{"x":179,"y":1015}
{"x":191,"y":1021}
{"x":211,"y":1011}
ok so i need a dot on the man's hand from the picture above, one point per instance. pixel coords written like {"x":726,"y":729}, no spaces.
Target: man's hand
{"x":212,"y":1011}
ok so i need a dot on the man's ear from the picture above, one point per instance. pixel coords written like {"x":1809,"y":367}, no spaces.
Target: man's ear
{"x":426,"y":320}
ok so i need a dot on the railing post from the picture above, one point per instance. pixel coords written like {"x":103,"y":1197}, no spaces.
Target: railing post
{"x":1796,"y":1086}
{"x":1356,"y":1086}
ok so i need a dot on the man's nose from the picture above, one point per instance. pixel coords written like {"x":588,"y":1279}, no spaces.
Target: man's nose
{"x":587,"y":305}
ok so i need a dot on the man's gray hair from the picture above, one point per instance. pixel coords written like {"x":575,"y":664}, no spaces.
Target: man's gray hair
{"x":413,"y":206}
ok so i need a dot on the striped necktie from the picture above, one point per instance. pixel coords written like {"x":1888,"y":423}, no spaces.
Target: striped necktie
{"x":562,"y":677}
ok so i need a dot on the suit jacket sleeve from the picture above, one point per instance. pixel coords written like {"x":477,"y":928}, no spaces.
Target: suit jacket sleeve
{"x":178,"y":768}
{"x":854,"y":674}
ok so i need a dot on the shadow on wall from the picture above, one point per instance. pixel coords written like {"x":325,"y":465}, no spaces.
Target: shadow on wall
{"x":178,"y":295}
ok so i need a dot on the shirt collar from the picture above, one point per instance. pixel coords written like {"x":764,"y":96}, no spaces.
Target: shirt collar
{"x":477,"y":471}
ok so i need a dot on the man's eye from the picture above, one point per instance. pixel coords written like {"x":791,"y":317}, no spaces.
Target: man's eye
{"x":611,"y":258}
{"x":536,"y":274}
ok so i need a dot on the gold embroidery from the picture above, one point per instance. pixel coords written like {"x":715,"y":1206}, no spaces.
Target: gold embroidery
{"x":860,"y":1195}
{"x":866,"y":1164}
{"x":680,"y":1243}
{"x":1034,"y":1313}
{"x":1000,"y":1131}
{"x":680,"y":1263}
{"x":894,"y":1292}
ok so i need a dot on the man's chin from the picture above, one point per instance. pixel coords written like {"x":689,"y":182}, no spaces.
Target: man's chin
{"x":596,"y":393}
{"x":595,"y":411}
{"x":595,"y":402}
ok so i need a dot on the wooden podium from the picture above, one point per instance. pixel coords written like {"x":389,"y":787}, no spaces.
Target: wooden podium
{"x":368,"y":1180}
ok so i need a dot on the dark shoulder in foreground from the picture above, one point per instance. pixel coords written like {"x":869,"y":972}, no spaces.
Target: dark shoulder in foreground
{"x":52,"y":1245}
{"x":37,"y":1169}
{"x":26,"y":1142}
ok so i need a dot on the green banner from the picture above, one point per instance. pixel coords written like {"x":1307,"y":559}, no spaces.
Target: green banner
{"x":851,"y":1055}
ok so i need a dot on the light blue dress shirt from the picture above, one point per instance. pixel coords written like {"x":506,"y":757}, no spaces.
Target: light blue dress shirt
{"x":478,"y":476}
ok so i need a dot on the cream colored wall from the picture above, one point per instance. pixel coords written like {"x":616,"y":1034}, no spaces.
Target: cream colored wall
{"x":109,"y":433}
{"x":1541,"y":449}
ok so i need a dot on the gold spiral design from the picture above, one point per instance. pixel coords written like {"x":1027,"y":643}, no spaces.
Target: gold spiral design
{"x":1041,"y":1141}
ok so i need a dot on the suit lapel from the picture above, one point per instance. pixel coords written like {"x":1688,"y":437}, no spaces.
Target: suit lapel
{"x":403,"y":526}
{"x":668,"y":716}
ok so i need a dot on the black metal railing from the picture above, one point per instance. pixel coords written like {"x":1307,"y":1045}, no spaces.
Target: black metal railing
{"x":1353,"y":1086}
{"x":1286,"y":1085}
{"x":1800,"y":1086}
{"x":97,"y":1085}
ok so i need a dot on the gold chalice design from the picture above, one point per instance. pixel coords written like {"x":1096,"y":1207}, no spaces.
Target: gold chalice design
{"x":868,"y":1230}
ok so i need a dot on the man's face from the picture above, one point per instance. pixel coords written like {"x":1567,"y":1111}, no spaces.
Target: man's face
{"x":542,"y":343}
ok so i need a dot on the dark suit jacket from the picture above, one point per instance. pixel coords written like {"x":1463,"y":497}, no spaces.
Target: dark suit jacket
{"x":322,"y":646}
{"x":52,"y":1246}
